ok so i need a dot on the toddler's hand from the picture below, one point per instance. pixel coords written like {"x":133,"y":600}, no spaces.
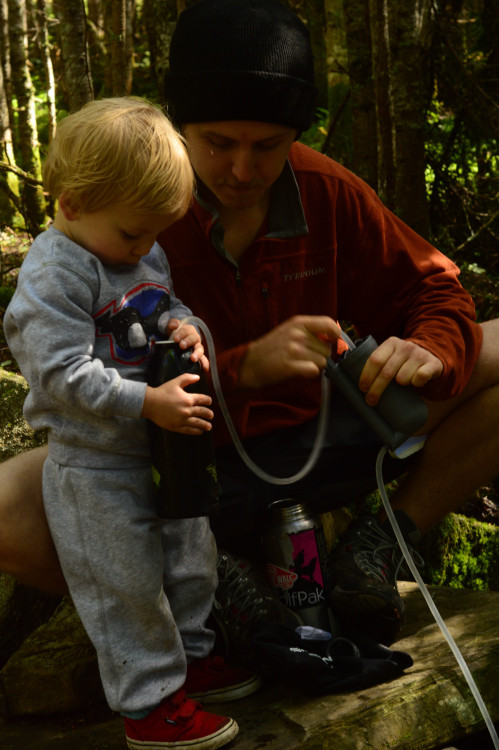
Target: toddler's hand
{"x":186,"y":336}
{"x":172,"y":408}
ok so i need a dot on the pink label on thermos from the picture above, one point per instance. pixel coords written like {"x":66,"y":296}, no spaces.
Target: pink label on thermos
{"x":306,"y":560}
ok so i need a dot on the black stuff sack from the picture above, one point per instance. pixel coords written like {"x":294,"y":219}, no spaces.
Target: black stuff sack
{"x":320,"y":667}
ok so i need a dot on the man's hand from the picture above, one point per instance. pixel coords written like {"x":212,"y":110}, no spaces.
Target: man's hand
{"x":299,"y":347}
{"x":400,"y":360}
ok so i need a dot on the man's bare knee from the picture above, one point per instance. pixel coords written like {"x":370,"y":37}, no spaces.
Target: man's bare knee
{"x":485,"y":375}
{"x":26,"y":548}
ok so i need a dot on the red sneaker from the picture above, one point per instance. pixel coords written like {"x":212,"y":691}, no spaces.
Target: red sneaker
{"x":211,"y":680}
{"x":179,"y":722}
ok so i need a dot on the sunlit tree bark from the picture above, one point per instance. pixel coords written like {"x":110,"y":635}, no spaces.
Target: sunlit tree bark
{"x":74,"y":48}
{"x":9,"y":186}
{"x":27,"y":129}
{"x":5,"y":58}
{"x":44,"y":47}
{"x":6,"y":101}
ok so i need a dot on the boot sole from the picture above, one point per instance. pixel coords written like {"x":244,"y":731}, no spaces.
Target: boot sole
{"x":229,"y":693}
{"x":218,"y":739}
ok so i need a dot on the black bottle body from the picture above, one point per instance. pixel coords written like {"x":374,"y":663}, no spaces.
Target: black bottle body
{"x":184,"y":465}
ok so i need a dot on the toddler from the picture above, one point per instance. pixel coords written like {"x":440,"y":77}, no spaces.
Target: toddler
{"x":93,"y":295}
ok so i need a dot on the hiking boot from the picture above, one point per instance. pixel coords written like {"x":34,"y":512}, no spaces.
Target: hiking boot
{"x":242,"y":599}
{"x":179,"y":722}
{"x":365,"y":566}
{"x":211,"y":680}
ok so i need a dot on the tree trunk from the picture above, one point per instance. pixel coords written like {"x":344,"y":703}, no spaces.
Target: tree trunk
{"x":129,"y":50}
{"x":400,"y":32}
{"x":313,"y":13}
{"x":74,"y":50}
{"x":5,"y":59}
{"x":33,"y":199}
{"x":118,"y":47}
{"x":411,"y":91}
{"x":95,"y":12}
{"x":9,"y":181}
{"x":44,"y":45}
{"x":119,"y":18}
{"x":159,"y":18}
{"x":363,"y":102}
{"x":378,"y":13}
{"x":9,"y":184}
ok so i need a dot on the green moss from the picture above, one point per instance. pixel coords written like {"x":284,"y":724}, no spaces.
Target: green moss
{"x":462,"y":553}
{"x":15,"y":434}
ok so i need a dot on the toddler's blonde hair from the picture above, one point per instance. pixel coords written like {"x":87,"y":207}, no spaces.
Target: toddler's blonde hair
{"x":121,"y":149}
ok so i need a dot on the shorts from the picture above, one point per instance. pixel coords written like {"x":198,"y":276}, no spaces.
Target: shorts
{"x":345,"y":470}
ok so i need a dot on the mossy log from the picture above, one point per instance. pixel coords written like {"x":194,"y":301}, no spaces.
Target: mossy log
{"x":462,"y":553}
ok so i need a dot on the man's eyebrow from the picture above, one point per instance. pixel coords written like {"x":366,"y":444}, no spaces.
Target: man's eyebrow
{"x":275,"y":137}
{"x":228,"y":139}
{"x":216,"y":134}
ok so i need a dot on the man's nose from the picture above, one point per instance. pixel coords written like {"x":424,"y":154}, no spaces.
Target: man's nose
{"x":242,"y":166}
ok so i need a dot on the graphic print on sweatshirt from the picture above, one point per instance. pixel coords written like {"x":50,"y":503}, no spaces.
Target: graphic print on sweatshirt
{"x":134,"y":321}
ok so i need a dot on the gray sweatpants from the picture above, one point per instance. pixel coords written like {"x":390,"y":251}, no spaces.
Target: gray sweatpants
{"x":143,"y":586}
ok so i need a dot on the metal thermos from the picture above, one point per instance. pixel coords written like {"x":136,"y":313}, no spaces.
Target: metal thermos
{"x":183,"y":465}
{"x":296,"y":561}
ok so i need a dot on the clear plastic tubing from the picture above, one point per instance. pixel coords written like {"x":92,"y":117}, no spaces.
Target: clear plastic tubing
{"x":433,"y":609}
{"x":321,"y":427}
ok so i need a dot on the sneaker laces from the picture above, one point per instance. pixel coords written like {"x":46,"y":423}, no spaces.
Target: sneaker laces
{"x":239,"y":600}
{"x":379,"y":554}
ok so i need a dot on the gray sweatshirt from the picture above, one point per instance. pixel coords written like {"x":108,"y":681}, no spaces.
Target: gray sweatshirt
{"x":81,"y":333}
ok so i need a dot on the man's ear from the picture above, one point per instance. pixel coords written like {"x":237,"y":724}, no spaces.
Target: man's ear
{"x":69,"y":206}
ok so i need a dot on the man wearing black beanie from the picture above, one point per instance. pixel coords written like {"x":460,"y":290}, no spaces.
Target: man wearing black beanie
{"x":279,"y":244}
{"x":241,"y":61}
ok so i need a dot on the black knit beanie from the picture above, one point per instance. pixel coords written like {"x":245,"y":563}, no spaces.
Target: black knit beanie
{"x":241,"y":60}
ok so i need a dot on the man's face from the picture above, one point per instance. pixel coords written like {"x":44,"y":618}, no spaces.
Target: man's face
{"x":238,"y":160}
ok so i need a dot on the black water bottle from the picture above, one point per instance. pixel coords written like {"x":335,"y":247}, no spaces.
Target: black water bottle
{"x":184,"y":466}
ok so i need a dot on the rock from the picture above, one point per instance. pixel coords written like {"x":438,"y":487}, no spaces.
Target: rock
{"x":54,"y":671}
{"x":15,"y":433}
{"x":22,"y":609}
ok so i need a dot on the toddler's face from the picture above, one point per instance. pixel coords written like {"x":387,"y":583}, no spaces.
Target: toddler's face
{"x":118,"y":234}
